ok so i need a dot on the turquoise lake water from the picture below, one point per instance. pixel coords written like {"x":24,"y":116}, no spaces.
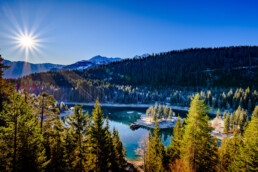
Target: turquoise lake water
{"x":121,"y":118}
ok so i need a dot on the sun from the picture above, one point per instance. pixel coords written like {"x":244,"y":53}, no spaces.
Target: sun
{"x":26,"y":41}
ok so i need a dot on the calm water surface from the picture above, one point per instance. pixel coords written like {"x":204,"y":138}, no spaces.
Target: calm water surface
{"x":121,"y":118}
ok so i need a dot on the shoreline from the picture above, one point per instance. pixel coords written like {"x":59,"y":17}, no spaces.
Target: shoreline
{"x":174,"y":107}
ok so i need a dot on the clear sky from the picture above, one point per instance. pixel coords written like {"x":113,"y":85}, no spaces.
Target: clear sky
{"x":72,"y":30}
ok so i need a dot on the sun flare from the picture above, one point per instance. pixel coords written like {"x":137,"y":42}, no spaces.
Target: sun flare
{"x":26,"y":41}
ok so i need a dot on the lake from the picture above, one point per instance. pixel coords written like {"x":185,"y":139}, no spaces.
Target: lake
{"x":122,"y":117}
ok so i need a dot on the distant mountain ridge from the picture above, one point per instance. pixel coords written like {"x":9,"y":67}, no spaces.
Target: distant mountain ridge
{"x":103,"y":60}
{"x":87,"y":64}
{"x":21,"y":68}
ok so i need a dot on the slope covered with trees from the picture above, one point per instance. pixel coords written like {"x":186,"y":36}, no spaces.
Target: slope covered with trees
{"x":205,"y":67}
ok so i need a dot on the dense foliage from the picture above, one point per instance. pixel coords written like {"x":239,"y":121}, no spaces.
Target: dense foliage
{"x":33,"y":137}
{"x":193,"y":148}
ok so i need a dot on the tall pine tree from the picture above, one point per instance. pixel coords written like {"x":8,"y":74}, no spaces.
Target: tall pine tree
{"x":199,"y":148}
{"x":155,"y":152}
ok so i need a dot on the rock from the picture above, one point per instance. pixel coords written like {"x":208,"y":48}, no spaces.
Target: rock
{"x":134,"y":126}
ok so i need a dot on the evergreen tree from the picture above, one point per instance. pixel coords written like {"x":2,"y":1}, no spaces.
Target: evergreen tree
{"x":56,"y":146}
{"x":175,"y":143}
{"x":45,"y":105}
{"x":246,"y":160}
{"x":155,"y":152}
{"x":21,"y":141}
{"x":159,"y":113}
{"x":224,"y":115}
{"x":198,"y":146}
{"x":5,"y":88}
{"x":218,"y":114}
{"x":79,"y":125}
{"x":170,"y":113}
{"x":228,"y":151}
{"x":119,"y":150}
{"x":226,"y":124}
{"x":165,"y":111}
{"x":98,"y":140}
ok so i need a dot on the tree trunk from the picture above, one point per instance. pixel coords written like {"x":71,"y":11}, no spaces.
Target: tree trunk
{"x":42,"y":113}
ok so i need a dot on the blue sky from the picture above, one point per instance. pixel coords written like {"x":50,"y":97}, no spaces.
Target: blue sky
{"x":72,"y":30}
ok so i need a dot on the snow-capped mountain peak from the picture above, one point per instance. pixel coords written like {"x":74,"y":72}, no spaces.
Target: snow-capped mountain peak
{"x":103,"y":60}
{"x":94,"y":61}
{"x":141,"y":56}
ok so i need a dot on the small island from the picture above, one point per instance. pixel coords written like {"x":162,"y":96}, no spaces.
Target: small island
{"x":165,"y":116}
{"x":147,"y":121}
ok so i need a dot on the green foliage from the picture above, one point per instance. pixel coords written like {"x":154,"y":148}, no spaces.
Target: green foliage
{"x":176,"y":141}
{"x":155,"y":151}
{"x":227,"y":123}
{"x":159,"y":112}
{"x":198,"y":146}
{"x":21,"y":141}
{"x":45,"y":107}
{"x":78,"y":127}
{"x":106,"y":151}
{"x":5,"y":88}
{"x":119,"y":151}
{"x":218,"y":114}
{"x":246,"y":157}
{"x":228,"y":151}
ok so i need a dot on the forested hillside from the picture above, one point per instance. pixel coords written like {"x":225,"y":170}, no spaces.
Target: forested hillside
{"x":170,"y":77}
{"x":205,"y":67}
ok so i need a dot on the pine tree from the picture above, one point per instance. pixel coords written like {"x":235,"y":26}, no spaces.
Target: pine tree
{"x":226,"y":124}
{"x":56,"y":146}
{"x":170,"y":113}
{"x":21,"y":141}
{"x":198,"y":146}
{"x":5,"y":88}
{"x":98,"y":140}
{"x":119,"y":150}
{"x":46,"y":108}
{"x":109,"y":150}
{"x":224,"y":155}
{"x":155,"y":152}
{"x":229,"y":150}
{"x":159,"y":113}
{"x":224,"y":115}
{"x":165,"y":111}
{"x":79,"y":125}
{"x":247,"y":160}
{"x":175,"y":143}
{"x":218,"y":114}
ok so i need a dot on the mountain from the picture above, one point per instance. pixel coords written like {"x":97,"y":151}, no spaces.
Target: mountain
{"x":94,"y":61}
{"x":80,"y":65}
{"x":100,"y":60}
{"x":21,"y":68}
{"x":141,"y":56}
